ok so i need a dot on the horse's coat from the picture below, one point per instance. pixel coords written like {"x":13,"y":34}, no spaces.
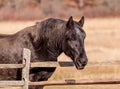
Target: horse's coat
{"x":46,"y":40}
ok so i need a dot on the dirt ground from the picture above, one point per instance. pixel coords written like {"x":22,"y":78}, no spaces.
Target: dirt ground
{"x":102,"y":45}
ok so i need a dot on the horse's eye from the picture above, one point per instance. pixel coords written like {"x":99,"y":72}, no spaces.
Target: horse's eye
{"x":76,"y":45}
{"x":68,"y":38}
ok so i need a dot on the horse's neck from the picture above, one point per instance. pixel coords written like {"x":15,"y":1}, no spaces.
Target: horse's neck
{"x":48,"y":52}
{"x":50,"y":48}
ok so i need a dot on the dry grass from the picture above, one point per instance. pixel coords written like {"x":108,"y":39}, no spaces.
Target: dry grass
{"x":102,"y":45}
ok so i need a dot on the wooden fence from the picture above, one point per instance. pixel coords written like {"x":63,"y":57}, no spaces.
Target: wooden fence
{"x":24,"y":83}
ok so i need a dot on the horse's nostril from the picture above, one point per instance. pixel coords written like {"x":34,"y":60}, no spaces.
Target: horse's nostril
{"x":83,"y":64}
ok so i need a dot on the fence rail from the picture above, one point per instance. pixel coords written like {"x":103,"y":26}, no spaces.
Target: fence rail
{"x":24,"y":83}
{"x":57,"y":64}
{"x":77,"y":82}
{"x":11,"y":83}
{"x":62,"y":82}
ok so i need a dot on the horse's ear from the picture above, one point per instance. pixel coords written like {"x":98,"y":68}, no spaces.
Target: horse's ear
{"x":81,"y":22}
{"x":70,"y":23}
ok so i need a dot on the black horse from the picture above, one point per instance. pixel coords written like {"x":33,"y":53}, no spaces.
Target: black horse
{"x":46,"y":40}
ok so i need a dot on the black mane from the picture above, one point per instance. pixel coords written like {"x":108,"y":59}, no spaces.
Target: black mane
{"x":51,"y":33}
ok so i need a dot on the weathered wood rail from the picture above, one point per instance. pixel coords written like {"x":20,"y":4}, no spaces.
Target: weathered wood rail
{"x":24,"y":83}
{"x":56,"y":64}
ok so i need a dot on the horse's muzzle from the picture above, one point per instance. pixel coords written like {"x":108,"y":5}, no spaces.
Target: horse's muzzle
{"x":80,"y":64}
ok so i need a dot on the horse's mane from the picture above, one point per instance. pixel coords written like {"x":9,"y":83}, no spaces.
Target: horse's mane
{"x":51,"y":28}
{"x":51,"y":31}
{"x":50,"y":25}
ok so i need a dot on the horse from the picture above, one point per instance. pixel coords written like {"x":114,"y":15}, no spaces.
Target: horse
{"x":46,"y":40}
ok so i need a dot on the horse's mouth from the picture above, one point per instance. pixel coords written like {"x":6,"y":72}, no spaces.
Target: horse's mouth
{"x":79,"y":66}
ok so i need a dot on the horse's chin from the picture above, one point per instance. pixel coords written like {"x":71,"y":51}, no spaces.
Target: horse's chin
{"x":79,"y":67}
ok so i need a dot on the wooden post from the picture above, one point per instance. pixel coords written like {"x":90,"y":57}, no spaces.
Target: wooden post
{"x":25,"y":70}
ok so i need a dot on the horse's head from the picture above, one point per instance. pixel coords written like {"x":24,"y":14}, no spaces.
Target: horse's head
{"x":73,"y":43}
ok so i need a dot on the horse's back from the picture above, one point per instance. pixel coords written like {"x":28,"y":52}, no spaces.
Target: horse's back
{"x":10,"y":48}
{"x":4,"y":35}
